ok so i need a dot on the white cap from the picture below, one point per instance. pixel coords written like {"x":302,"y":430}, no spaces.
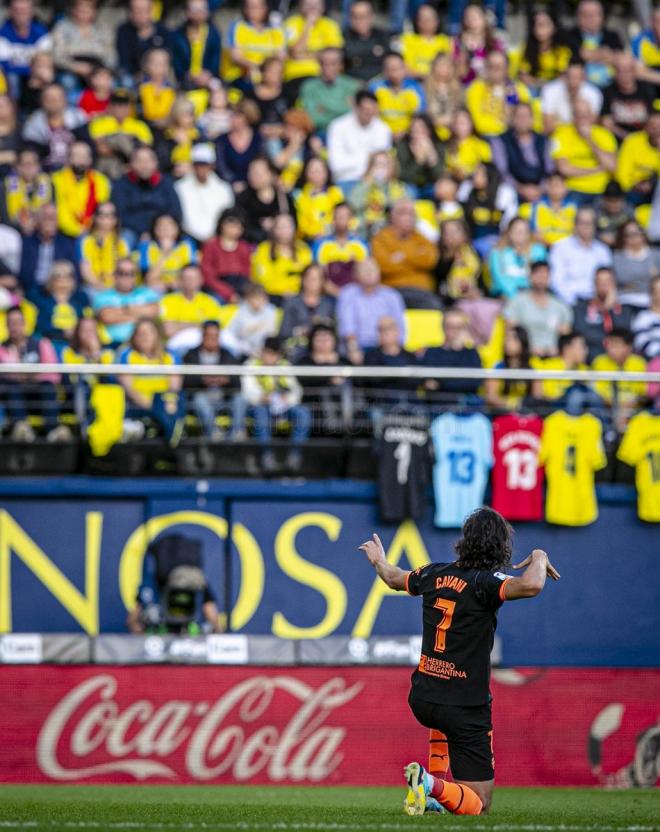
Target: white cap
{"x":203,"y":154}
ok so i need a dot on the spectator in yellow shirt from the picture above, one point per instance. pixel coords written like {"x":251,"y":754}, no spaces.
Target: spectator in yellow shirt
{"x":156,"y":94}
{"x":183,"y":312}
{"x":26,"y":189}
{"x":399,"y":97}
{"x":250,"y":41}
{"x":420,"y":47}
{"x":585,"y":154}
{"x":79,"y":190}
{"x":572,"y":356}
{"x":101,"y":249}
{"x":619,"y":355}
{"x":491,"y":99}
{"x":316,"y":200}
{"x":278,"y":262}
{"x":544,"y":57}
{"x":465,"y":151}
{"x":307,"y":33}
{"x":638,"y":163}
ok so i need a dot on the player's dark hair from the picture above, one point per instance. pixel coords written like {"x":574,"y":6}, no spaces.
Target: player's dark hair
{"x":486,"y":541}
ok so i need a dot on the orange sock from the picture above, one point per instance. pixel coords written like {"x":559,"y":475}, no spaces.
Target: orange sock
{"x":456,"y":798}
{"x":438,"y":754}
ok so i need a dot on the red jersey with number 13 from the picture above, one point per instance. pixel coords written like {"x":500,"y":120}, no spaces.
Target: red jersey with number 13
{"x":517,"y":475}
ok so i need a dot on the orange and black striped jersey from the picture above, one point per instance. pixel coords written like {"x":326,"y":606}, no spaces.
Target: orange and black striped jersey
{"x":460,"y":618}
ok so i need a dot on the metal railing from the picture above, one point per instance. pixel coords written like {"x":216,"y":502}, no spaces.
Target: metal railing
{"x":439,"y":373}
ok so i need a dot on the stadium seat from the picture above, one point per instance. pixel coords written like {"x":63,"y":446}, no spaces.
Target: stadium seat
{"x":423,"y":329}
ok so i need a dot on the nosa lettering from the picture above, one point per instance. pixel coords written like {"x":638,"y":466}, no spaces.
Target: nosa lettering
{"x":270,"y":725}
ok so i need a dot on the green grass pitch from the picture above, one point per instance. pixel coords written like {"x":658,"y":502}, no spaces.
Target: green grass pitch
{"x":312,"y":809}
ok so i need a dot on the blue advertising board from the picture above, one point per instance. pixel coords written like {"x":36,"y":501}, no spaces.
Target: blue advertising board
{"x":291,"y":568}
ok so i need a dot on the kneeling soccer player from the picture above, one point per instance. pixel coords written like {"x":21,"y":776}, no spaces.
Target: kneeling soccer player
{"x":450,"y":688}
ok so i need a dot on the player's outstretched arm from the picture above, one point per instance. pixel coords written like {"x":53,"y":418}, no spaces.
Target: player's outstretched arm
{"x":537,"y":568}
{"x":394,"y":577}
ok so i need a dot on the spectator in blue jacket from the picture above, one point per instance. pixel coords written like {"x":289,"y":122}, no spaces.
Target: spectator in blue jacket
{"x":135,"y":37}
{"x":21,"y":35}
{"x":196,"y":47}
{"x":42,"y":249}
{"x":143,"y":194}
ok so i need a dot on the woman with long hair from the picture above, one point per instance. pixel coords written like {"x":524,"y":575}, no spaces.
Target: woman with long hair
{"x":474,"y":43}
{"x":424,"y":43}
{"x":101,"y":248}
{"x":324,"y":392}
{"x":226,"y":258}
{"x":278,"y":262}
{"x":181,"y":133}
{"x":465,"y":151}
{"x":635,"y":265}
{"x":238,"y":147}
{"x":545,"y":56}
{"x":488,"y":202}
{"x":311,"y":304}
{"x":262,"y":200}
{"x":315,"y":199}
{"x":164,"y":254}
{"x":157,"y":397}
{"x":459,"y":266}
{"x":511,"y":259}
{"x":420,"y":155}
{"x":510,"y":394}
{"x":444,"y":94}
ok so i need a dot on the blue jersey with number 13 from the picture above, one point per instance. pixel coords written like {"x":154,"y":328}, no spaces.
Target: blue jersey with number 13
{"x":464,"y":454}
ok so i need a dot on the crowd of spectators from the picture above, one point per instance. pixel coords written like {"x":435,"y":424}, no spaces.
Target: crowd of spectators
{"x":324,"y":193}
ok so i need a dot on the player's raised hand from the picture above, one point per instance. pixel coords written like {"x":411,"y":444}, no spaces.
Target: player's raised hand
{"x":373,"y":549}
{"x":550,"y":569}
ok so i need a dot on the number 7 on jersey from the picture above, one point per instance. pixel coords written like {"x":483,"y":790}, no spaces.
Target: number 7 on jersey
{"x":447,"y":608}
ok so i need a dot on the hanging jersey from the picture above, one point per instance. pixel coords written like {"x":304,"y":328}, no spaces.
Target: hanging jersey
{"x":641,"y":449}
{"x":463,"y":454}
{"x":460,"y":618}
{"x":403,"y":467}
{"x":572,"y":451}
{"x":517,"y":475}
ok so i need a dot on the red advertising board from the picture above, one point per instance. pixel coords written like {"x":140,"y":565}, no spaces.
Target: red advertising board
{"x":311,"y":725}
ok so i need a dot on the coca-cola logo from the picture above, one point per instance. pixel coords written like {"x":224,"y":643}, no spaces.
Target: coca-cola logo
{"x":87,"y":734}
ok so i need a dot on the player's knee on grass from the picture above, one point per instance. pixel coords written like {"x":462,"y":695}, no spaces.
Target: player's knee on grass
{"x":484,"y":790}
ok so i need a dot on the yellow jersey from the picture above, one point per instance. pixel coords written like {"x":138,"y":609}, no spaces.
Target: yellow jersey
{"x":550,"y":223}
{"x":70,"y":356}
{"x":21,"y":201}
{"x":554,"y":388}
{"x":572,"y":451}
{"x":149,"y":253}
{"x":314,"y":210}
{"x":324,"y":34}
{"x":176,"y":308}
{"x":397,"y":107}
{"x":646,"y":49}
{"x":419,"y":52}
{"x":73,"y":197}
{"x":148,"y":385}
{"x":552,"y":62}
{"x":637,"y":161}
{"x":278,"y":274}
{"x":568,"y":144}
{"x":641,"y":449}
{"x":489,"y":106}
{"x":627,"y":392}
{"x":255,"y":45}
{"x":463,"y":159}
{"x":330,"y":250}
{"x":105,"y":125}
{"x":102,"y":255}
{"x":156,"y":102}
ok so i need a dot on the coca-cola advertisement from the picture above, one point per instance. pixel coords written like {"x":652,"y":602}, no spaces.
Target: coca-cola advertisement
{"x":311,"y":725}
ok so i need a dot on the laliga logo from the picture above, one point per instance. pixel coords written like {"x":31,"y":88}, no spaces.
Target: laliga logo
{"x":304,"y":748}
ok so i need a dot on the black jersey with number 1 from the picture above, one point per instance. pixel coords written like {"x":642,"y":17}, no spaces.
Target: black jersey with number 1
{"x":460,"y":618}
